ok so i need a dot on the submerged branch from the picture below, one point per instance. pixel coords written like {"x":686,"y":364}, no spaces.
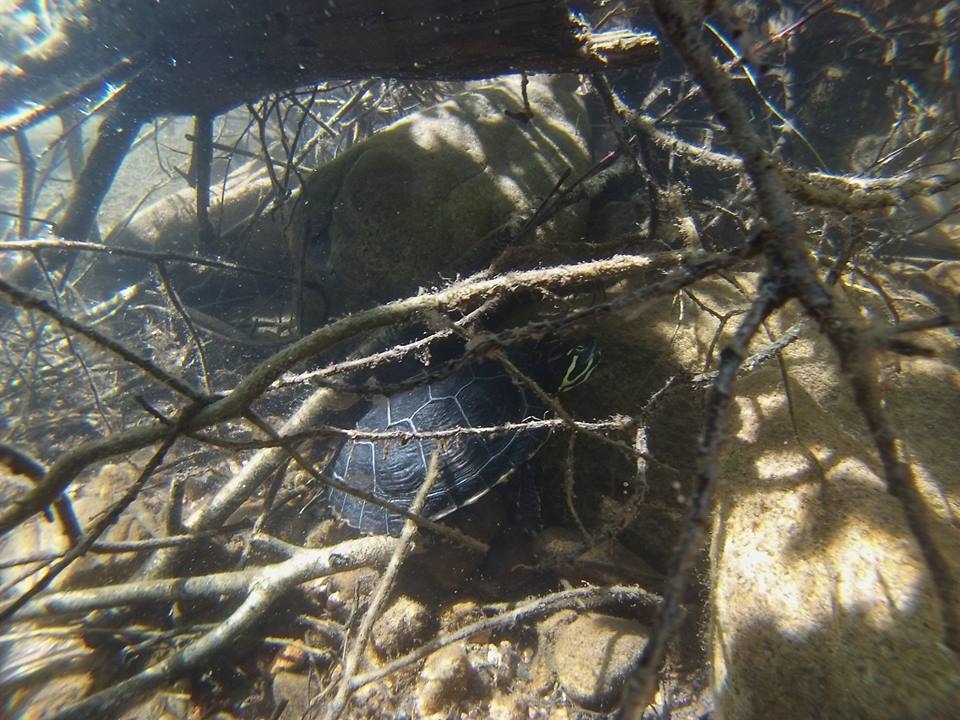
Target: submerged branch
{"x":688,"y":267}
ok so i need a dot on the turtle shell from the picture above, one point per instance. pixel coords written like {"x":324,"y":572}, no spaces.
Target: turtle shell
{"x":481,"y":395}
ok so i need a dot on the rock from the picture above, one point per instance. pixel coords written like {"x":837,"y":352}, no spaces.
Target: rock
{"x":461,"y":614}
{"x":592,"y":656}
{"x":822,"y":605}
{"x":169,"y":225}
{"x":445,"y":567}
{"x":342,"y":590}
{"x":419,"y":202}
{"x":617,"y":221}
{"x":295,"y":689}
{"x":507,"y":707}
{"x":37,"y":537}
{"x":606,"y":563}
{"x":501,"y":664}
{"x":445,"y":679}
{"x":402,"y":626}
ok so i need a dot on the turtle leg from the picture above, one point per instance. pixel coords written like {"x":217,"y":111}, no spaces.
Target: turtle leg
{"x":522,"y":501}
{"x":511,"y":564}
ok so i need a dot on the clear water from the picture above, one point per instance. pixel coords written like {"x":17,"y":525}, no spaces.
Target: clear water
{"x":155,"y":341}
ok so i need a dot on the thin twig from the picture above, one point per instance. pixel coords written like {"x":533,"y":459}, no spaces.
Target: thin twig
{"x":174,"y":297}
{"x":263,"y":587}
{"x":148,"y":255}
{"x":29,"y":301}
{"x":379,"y":598}
{"x":106,"y":519}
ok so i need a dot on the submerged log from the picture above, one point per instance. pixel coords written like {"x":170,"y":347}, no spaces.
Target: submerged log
{"x":203,"y":57}
{"x":206,"y":56}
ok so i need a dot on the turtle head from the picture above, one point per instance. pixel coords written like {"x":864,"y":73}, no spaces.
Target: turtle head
{"x":571,"y":362}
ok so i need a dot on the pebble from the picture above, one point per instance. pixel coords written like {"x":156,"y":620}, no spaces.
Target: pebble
{"x":593,"y":655}
{"x":607,"y":563}
{"x":296,"y":690}
{"x":507,"y":707}
{"x":503,"y":663}
{"x":461,"y":614}
{"x":444,"y":680}
{"x":343,"y":588}
{"x":402,"y":626}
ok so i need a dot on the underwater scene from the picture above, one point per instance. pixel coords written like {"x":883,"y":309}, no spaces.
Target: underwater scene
{"x":535,"y":359}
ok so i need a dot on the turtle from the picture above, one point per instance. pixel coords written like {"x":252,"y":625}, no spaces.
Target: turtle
{"x":483,"y":394}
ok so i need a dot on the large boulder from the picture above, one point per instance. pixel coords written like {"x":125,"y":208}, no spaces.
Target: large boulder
{"x":821,"y":602}
{"x":426,"y":199}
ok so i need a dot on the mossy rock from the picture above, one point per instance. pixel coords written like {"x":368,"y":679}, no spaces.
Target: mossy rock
{"x":421,"y":202}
